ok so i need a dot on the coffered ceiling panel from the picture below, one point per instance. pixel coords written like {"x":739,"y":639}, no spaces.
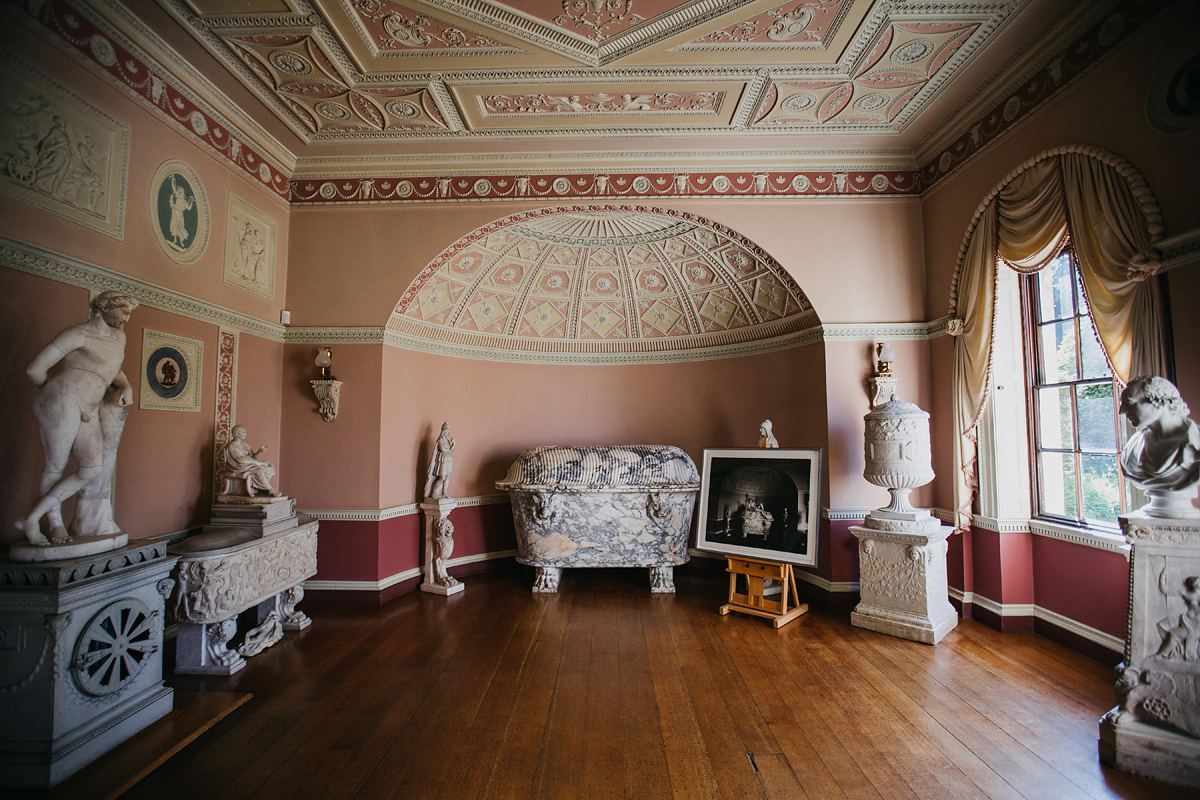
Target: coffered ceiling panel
{"x":362,"y":70}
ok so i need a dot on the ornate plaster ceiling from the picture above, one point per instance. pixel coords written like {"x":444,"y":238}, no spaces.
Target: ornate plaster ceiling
{"x":371,"y":70}
{"x":603,"y":283}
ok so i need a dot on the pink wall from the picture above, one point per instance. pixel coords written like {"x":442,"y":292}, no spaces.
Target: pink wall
{"x":1083,"y":583}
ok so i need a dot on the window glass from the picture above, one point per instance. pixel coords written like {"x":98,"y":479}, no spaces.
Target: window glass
{"x":1072,"y":402}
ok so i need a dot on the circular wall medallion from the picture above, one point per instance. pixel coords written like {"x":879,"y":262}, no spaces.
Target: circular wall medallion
{"x":879,"y":182}
{"x":482,"y":187}
{"x":103,"y":50}
{"x":332,"y":111}
{"x":199,"y":123}
{"x":1011,"y":108}
{"x":327,"y":190}
{"x":561,"y":185}
{"x":871,"y":102}
{"x":641,"y":184}
{"x":1173,"y":103}
{"x":798,"y":102}
{"x":291,"y":63}
{"x":114,"y":647}
{"x":403,"y":109}
{"x":167,"y":372}
{"x":404,"y":188}
{"x":179,"y":212}
{"x":801,"y":183}
{"x":912,"y":52}
{"x":721,"y":184}
{"x":1111,"y":30}
{"x":264,"y":173}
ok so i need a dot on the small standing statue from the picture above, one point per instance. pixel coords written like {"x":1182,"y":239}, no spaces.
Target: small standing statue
{"x":441,"y":464}
{"x":244,"y":470}
{"x":765,"y":437}
{"x":1162,"y":457}
{"x":443,"y":540}
{"x":81,"y":411}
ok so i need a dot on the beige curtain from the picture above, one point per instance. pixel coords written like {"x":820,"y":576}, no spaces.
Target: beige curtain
{"x":1097,"y":202}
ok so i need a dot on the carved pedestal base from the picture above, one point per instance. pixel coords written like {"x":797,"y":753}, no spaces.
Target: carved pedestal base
{"x":1155,"y":728}
{"x":439,"y":544}
{"x":662,"y":580}
{"x":203,"y":649}
{"x":902,"y":583}
{"x":80,"y":659}
{"x":262,"y":515}
{"x":546,"y":579}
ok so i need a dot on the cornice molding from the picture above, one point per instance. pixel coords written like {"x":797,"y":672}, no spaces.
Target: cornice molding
{"x":1102,"y":34}
{"x":76,"y":272}
{"x":130,"y":65}
{"x":895,"y":331}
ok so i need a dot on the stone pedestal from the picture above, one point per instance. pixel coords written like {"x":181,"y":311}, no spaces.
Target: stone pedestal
{"x":1155,"y":728}
{"x":435,"y":508}
{"x":263,"y":515}
{"x":80,"y":659}
{"x":225,"y":571}
{"x":902,"y":579}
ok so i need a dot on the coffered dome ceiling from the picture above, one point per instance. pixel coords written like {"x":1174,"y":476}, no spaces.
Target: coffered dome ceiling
{"x":363,"y":70}
{"x":603,"y":284}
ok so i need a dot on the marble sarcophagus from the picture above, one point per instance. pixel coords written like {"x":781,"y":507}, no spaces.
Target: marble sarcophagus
{"x":610,"y":506}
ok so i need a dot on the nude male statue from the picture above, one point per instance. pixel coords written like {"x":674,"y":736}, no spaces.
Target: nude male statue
{"x":80,"y":411}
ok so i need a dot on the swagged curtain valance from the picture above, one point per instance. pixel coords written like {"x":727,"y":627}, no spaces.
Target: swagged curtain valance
{"x":1101,"y":205}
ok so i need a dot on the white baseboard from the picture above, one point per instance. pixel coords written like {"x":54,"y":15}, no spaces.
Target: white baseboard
{"x":399,"y":577}
{"x":1093,"y":635}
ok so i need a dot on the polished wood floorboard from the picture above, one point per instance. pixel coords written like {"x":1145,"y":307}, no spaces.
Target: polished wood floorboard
{"x":605,"y":690}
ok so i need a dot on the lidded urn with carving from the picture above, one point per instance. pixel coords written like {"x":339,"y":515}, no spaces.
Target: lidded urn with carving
{"x":898,"y":456}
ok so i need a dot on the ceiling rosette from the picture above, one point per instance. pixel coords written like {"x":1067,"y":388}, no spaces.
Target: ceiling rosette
{"x":603,"y":284}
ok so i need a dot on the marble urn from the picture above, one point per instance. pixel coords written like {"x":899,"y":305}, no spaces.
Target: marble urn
{"x":899,"y":458}
{"x":609,"y":506}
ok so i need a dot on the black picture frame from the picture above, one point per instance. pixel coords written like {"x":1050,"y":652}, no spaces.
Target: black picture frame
{"x":761,"y":503}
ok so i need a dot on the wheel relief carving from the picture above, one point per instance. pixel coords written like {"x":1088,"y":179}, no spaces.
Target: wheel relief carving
{"x":114,"y":647}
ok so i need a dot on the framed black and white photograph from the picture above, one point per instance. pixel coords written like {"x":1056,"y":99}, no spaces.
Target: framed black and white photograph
{"x":761,"y":503}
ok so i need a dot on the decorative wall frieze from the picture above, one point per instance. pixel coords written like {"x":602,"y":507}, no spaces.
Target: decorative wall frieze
{"x":98,"y":43}
{"x":1104,"y":34}
{"x":76,"y":272}
{"x":1178,"y":251}
{"x":598,"y":185}
{"x":894,"y":331}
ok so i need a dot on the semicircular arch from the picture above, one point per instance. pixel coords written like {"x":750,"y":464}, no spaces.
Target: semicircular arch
{"x":603,"y":284}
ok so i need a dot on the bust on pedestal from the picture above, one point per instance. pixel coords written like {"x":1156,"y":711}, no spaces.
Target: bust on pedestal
{"x":439,"y":530}
{"x":1155,"y":728}
{"x":902,"y":550}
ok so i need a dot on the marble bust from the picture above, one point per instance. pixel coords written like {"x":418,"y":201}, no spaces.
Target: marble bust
{"x":441,"y":464}
{"x":81,"y":410}
{"x":1162,"y":457}
{"x":766,"y":437}
{"x":243,"y":466}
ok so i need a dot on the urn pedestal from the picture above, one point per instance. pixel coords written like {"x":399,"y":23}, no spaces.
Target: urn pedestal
{"x":1155,"y":728}
{"x":80,"y":659}
{"x":902,"y":549}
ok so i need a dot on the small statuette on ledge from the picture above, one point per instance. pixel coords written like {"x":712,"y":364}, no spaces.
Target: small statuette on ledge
{"x":327,"y":389}
{"x":244,"y":474}
{"x":883,"y":382}
{"x":440,"y":465}
{"x":766,"y":438}
{"x":439,"y":530}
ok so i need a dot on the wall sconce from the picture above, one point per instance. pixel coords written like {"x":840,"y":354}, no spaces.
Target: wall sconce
{"x":883,"y":382}
{"x":325,"y":387}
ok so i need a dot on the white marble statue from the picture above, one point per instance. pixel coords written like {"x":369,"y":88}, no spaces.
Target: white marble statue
{"x":244,"y":470}
{"x":766,"y":438}
{"x":441,"y":464}
{"x":1162,"y":457}
{"x":81,"y":411}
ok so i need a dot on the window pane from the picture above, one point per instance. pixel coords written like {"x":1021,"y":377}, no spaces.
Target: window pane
{"x":1057,"y":427}
{"x":1054,"y":289}
{"x":1097,"y":424}
{"x":1101,"y":492}
{"x":1058,"y":351}
{"x":1094,"y":363}
{"x":1058,"y":484}
{"x":1080,"y":297}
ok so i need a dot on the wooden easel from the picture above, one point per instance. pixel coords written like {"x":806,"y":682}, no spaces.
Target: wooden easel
{"x":757,"y":572}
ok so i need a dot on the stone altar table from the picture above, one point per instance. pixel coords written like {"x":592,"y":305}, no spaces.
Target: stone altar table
{"x":225,"y":571}
{"x":80,"y":659}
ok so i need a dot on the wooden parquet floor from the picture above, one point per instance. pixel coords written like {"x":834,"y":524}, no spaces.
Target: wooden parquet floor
{"x":604,"y":690}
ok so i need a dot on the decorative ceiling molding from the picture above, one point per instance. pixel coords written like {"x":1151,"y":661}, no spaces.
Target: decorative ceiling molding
{"x":793,"y":25}
{"x":592,"y":186}
{"x":94,"y":40}
{"x":604,"y":284}
{"x":45,"y":263}
{"x":1052,"y":74}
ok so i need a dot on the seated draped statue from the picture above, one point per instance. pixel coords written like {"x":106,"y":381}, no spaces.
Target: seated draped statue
{"x":242,"y":465}
{"x":1163,"y":455}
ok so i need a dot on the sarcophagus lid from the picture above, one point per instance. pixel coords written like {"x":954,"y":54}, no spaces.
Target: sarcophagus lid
{"x":608,"y":468}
